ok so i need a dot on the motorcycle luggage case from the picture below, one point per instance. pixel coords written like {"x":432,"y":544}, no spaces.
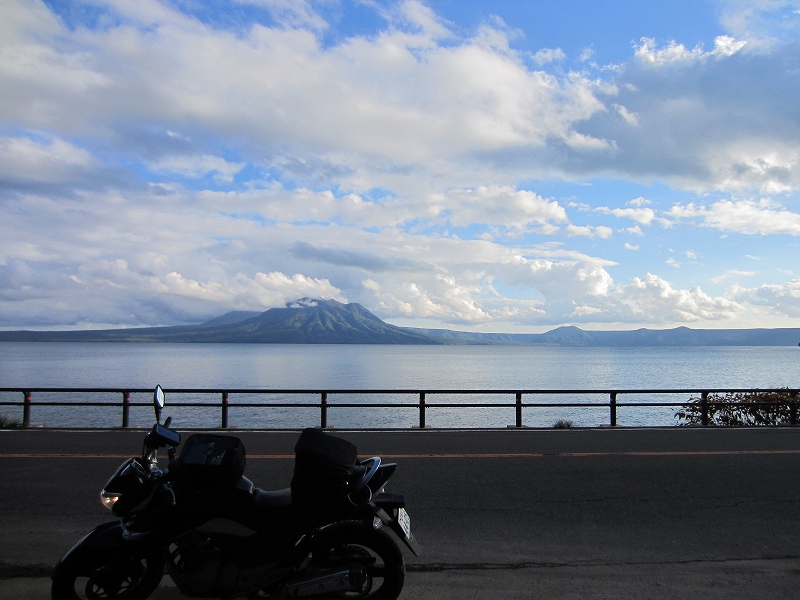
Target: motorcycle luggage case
{"x":322,"y":467}
{"x":213,"y":460}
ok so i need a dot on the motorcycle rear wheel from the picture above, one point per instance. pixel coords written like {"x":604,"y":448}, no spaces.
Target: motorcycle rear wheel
{"x":374,"y":550}
{"x":133,"y":578}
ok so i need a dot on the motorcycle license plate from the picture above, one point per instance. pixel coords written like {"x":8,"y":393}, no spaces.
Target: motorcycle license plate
{"x":405,"y":522}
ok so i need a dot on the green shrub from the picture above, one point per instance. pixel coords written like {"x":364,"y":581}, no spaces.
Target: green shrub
{"x":9,"y":423}
{"x":562,"y":424}
{"x":739,"y":409}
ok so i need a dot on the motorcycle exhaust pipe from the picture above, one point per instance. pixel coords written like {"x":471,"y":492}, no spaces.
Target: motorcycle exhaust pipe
{"x":327,"y":582}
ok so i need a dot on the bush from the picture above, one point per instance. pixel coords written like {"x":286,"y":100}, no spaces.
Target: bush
{"x":9,"y":423}
{"x":562,"y":424}
{"x":739,"y":409}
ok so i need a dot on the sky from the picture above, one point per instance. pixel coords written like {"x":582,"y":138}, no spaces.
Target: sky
{"x":497,"y":166}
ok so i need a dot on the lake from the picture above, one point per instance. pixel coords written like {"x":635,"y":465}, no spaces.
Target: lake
{"x":354,"y":367}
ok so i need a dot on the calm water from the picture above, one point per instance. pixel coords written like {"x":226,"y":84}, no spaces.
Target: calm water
{"x":380,"y":367}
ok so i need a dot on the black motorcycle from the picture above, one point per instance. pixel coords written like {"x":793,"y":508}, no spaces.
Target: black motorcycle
{"x":218,"y":536}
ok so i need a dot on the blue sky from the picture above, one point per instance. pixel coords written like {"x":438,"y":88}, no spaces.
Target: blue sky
{"x":484,"y":166}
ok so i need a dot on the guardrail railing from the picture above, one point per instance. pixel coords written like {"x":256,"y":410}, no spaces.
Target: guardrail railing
{"x":421,"y":402}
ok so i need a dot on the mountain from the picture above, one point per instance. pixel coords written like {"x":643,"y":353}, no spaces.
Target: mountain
{"x":308,"y":321}
{"x":235,"y":316}
{"x":304,"y":321}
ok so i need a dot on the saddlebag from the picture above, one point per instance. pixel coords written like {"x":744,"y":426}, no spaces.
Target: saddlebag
{"x":323,"y":465}
{"x":211,"y":460}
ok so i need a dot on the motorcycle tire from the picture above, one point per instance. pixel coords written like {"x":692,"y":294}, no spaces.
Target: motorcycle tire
{"x":374,"y":549}
{"x":132,"y":578}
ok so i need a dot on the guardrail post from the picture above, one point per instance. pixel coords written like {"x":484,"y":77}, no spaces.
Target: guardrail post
{"x":704,"y":409}
{"x":126,"y":408}
{"x":224,"y":410}
{"x":612,"y":405}
{"x":422,"y":410}
{"x":518,"y":409}
{"x":323,"y":411}
{"x":793,"y":408}
{"x":26,"y":409}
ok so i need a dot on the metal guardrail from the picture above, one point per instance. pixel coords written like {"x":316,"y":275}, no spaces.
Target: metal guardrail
{"x":422,"y":404}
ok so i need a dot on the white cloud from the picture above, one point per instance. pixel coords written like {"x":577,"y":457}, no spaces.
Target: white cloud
{"x":369,"y":111}
{"x":725,"y":45}
{"x":644,"y":216}
{"x":548,"y":55}
{"x":630,"y":246}
{"x":763,"y":22}
{"x":655,"y":300}
{"x":600,"y":231}
{"x":782,"y":299}
{"x":629,"y":117}
{"x":730,"y":274}
{"x":741,"y":216}
{"x":53,"y":161}
{"x":197,"y":166}
{"x":648,"y":52}
{"x":496,"y":205}
{"x":635,"y":230}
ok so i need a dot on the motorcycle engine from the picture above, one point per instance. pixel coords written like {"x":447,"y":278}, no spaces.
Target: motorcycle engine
{"x":196,"y":564}
{"x":202,"y":568}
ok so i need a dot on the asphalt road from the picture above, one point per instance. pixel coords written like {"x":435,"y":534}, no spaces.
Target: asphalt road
{"x":604,"y":513}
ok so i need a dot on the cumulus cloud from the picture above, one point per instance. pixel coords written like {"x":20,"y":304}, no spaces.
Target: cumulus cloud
{"x":648,"y":52}
{"x":499,"y":205}
{"x":783,"y":299}
{"x":654,"y":299}
{"x":548,"y":55}
{"x":600,"y":231}
{"x":644,"y":216}
{"x":702,"y":119}
{"x":762,"y":217}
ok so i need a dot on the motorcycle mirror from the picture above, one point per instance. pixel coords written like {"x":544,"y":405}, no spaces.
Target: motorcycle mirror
{"x":158,"y":402}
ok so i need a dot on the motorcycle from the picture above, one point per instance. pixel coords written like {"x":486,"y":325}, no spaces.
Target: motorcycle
{"x":201,"y":521}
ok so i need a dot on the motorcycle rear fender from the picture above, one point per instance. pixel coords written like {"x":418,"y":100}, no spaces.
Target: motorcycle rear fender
{"x":385,"y":507}
{"x":109,"y":540}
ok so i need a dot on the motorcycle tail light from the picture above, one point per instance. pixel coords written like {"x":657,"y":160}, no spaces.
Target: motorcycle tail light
{"x":109,"y":499}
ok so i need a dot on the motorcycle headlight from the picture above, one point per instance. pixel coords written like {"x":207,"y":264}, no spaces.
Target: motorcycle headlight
{"x":109,"y":499}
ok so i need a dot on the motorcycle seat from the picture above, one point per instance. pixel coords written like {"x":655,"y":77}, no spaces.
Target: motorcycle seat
{"x":277,"y":499}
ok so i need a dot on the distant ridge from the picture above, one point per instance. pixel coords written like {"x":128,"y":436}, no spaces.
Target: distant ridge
{"x":678,"y":336}
{"x":309,"y":321}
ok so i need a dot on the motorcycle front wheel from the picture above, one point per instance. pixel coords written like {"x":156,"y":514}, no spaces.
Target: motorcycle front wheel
{"x":374,"y":550}
{"x":133,"y":578}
